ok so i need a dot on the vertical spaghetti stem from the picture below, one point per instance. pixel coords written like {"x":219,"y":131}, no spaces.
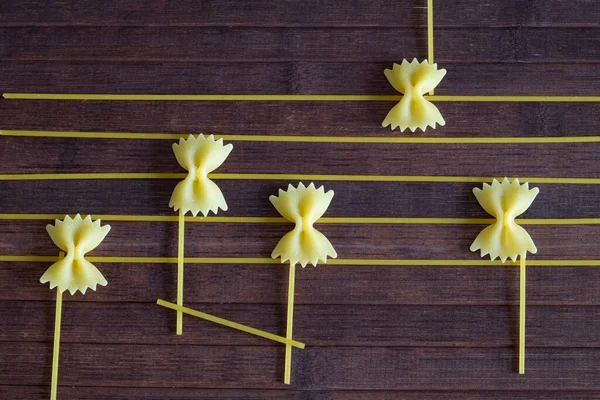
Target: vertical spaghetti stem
{"x":430,"y":35}
{"x":522,"y":315}
{"x":55,"y":352}
{"x":180,"y":255}
{"x":290,"y":320}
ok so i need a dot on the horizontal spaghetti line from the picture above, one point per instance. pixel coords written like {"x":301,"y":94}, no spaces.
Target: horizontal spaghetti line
{"x":198,"y":97}
{"x":99,"y":175}
{"x":94,"y":135}
{"x":558,"y":221}
{"x":335,"y":262}
{"x":290,"y":97}
{"x":517,"y":99}
{"x":293,"y":177}
{"x":324,"y":220}
{"x":306,"y":139}
{"x":149,"y":218}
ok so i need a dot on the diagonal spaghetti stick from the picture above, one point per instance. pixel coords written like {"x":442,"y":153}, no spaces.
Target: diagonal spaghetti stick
{"x":231,"y":324}
{"x":180,"y":259}
{"x":55,"y":352}
{"x":522,"y":314}
{"x":290,"y":320}
{"x":430,"y":35}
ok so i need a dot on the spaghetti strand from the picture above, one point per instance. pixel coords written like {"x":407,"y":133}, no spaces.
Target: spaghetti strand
{"x":522,"y":276}
{"x":430,"y":36}
{"x":309,"y":138}
{"x":56,"y":347}
{"x":290,"y":320}
{"x":180,"y":261}
{"x":294,"y":177}
{"x":291,"y":97}
{"x":230,"y":324}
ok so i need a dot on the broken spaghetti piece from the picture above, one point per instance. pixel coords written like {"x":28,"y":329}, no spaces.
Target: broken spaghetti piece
{"x":303,"y":206}
{"x":505,"y":201}
{"x":199,"y":156}
{"x":75,"y":236}
{"x":413,"y":80}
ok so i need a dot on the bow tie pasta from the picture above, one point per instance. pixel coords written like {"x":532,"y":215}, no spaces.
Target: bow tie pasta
{"x":199,"y":156}
{"x":303,"y":206}
{"x":413,"y":80}
{"x":75,"y":236}
{"x":505,"y":201}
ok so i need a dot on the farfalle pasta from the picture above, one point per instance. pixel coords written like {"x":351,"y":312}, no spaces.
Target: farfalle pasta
{"x":197,"y":193}
{"x":505,"y":201}
{"x":414,"y":80}
{"x":505,"y":238}
{"x":199,"y":155}
{"x":303,"y":206}
{"x":302,"y":245}
{"x":72,"y":272}
{"x":76,"y":237}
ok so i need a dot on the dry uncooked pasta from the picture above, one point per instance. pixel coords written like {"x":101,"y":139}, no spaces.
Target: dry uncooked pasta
{"x":413,"y":80}
{"x":197,"y":193}
{"x":72,"y":272}
{"x":76,"y":237}
{"x":303,"y":206}
{"x":505,"y":201}
{"x":303,"y":245}
{"x":505,"y":238}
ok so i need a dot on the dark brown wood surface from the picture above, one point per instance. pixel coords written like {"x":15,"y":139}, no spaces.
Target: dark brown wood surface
{"x":371,"y":332}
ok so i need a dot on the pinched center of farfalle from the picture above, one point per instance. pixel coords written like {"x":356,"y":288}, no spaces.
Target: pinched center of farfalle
{"x":505,"y":201}
{"x":197,"y":193}
{"x":414,"y":80}
{"x":303,"y":206}
{"x":75,"y":236}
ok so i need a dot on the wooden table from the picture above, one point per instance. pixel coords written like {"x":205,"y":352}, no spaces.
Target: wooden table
{"x":405,"y":332}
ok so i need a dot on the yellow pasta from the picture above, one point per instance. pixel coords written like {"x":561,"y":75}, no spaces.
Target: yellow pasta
{"x":199,"y":156}
{"x":303,"y":245}
{"x":75,"y":236}
{"x":303,"y":206}
{"x":505,"y":238}
{"x":414,"y":80}
{"x":72,"y":272}
{"x":505,"y":201}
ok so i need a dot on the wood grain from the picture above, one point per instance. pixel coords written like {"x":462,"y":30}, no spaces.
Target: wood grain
{"x":235,"y":44}
{"x":372,"y":332}
{"x":80,"y":156}
{"x":301,"y":13}
{"x":257,"y":240}
{"x":250,"y":198}
{"x":391,"y":368}
{"x":298,"y":118}
{"x":29,"y":392}
{"x":257,"y":284}
{"x":316,"y":325}
{"x":298,"y":77}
